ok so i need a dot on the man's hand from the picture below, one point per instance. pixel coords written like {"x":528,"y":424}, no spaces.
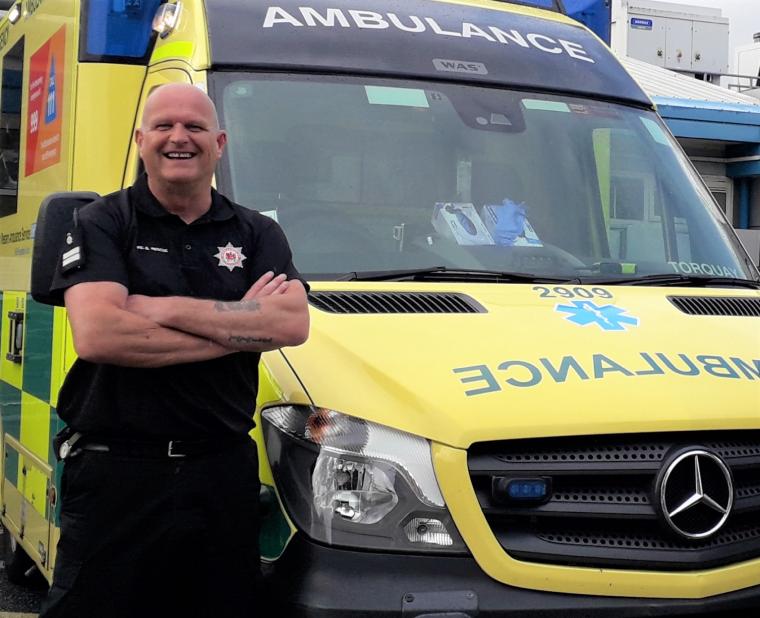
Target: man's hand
{"x":266,"y":285}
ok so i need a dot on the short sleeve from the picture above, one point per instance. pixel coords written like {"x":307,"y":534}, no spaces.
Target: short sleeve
{"x":102,"y":230}
{"x":274,"y":252}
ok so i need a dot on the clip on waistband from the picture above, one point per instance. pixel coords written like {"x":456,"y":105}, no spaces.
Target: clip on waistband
{"x":67,"y":446}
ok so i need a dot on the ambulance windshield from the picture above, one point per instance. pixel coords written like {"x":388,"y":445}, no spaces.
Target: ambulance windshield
{"x":368,"y":175}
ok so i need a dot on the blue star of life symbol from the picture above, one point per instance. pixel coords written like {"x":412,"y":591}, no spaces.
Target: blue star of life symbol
{"x":607,"y":317}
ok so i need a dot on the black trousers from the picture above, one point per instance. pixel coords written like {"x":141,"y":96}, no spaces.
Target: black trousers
{"x":159,"y":537}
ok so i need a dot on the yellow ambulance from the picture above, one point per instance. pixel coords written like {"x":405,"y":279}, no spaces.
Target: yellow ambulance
{"x":533,"y":378}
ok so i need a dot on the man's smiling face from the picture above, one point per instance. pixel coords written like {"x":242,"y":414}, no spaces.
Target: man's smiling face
{"x":180,"y":141}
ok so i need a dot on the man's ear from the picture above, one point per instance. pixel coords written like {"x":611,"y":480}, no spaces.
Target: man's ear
{"x":221,"y":142}
{"x":138,"y":137}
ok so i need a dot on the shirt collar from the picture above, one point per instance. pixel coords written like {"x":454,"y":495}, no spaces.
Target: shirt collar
{"x":146,"y":202}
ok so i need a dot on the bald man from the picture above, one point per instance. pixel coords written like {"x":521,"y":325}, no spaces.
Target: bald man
{"x":177,"y":292}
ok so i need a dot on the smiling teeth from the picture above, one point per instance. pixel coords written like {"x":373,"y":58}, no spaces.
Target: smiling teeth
{"x":179,"y":155}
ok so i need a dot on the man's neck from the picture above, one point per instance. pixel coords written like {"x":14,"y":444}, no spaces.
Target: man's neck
{"x":188,"y":201}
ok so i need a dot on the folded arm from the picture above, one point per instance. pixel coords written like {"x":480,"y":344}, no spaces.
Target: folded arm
{"x":105,"y":331}
{"x":273,"y":314}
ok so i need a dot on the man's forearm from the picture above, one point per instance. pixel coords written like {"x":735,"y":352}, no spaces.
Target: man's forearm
{"x":257,"y":324}
{"x":243,"y":306}
{"x":167,"y":346}
{"x":130,"y":340}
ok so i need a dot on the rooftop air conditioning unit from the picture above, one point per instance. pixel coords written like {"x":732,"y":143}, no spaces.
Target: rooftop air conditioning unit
{"x":680,"y":37}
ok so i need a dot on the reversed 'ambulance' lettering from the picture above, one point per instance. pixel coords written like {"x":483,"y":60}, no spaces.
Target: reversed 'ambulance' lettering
{"x":482,"y":379}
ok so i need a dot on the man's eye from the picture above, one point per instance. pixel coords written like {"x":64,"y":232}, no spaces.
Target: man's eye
{"x":163,"y":127}
{"x":194,"y":128}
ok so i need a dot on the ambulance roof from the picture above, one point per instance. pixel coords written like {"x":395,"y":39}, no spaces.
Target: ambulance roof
{"x":457,"y":40}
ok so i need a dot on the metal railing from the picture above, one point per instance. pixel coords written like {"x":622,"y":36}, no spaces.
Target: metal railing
{"x":753,"y":81}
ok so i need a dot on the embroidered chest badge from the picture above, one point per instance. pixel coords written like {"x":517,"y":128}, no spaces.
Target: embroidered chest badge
{"x":230,"y":257}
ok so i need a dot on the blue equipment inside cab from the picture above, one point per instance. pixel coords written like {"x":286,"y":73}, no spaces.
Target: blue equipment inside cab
{"x":119,"y":28}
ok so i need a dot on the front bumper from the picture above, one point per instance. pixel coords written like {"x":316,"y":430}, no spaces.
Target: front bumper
{"x":314,"y":581}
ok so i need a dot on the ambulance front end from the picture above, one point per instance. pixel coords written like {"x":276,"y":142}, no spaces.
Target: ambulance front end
{"x":532,"y":383}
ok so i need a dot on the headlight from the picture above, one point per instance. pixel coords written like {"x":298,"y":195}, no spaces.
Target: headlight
{"x":349,"y":482}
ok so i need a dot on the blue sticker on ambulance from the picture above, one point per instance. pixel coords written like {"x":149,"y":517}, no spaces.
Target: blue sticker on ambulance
{"x":606,"y":317}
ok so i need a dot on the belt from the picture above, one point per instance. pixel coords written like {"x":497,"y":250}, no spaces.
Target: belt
{"x":156,"y":449}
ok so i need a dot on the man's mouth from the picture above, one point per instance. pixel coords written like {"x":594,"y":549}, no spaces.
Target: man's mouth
{"x":179,"y":155}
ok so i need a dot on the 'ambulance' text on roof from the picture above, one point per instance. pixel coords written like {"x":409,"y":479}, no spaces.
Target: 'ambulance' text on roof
{"x":376,"y":21}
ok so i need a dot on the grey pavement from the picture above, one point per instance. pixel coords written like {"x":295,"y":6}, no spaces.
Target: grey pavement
{"x":18,"y":601}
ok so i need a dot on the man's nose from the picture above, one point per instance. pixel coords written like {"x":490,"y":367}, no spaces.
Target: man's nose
{"x":178,"y":133}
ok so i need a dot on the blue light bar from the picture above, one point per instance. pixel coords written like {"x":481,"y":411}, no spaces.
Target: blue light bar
{"x":119,"y":28}
{"x":595,"y":14}
{"x":532,"y":490}
{"x":528,"y":489}
{"x":551,"y":5}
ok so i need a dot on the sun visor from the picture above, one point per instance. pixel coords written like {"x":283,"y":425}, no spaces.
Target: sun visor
{"x":433,"y":40}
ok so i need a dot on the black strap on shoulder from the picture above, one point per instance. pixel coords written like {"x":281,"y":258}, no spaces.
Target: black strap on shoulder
{"x":58,"y":212}
{"x":55,"y":216}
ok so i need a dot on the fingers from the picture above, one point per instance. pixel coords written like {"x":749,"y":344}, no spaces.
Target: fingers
{"x":258,"y":285}
{"x":267,"y":285}
{"x":273,"y":286}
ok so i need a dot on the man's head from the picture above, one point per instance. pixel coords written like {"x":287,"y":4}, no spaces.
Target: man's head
{"x":180,"y":140}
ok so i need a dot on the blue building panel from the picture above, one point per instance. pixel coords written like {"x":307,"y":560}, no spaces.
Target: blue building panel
{"x":700,"y":129}
{"x":711,"y":120}
{"x":721,"y":122}
{"x":742,"y":169}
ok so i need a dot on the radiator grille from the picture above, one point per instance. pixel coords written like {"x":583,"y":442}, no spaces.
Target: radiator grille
{"x":603,"y":508}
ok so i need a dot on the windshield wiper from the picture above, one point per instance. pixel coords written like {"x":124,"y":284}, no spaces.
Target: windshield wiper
{"x":443,"y":273}
{"x":675,"y":279}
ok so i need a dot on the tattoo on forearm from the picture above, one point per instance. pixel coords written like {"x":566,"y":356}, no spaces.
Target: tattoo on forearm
{"x":243,"y":305}
{"x":240,"y":339}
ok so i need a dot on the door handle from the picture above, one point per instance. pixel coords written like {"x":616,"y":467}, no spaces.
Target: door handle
{"x":16,"y":337}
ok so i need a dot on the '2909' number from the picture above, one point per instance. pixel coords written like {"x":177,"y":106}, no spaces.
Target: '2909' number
{"x":576,"y":292}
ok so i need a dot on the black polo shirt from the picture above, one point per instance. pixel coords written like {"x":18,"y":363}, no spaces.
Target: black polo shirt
{"x":153,"y":252}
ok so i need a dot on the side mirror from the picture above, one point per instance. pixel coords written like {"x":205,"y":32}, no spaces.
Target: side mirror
{"x":54,"y":218}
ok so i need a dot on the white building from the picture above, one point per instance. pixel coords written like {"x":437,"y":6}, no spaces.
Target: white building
{"x":665,"y":46}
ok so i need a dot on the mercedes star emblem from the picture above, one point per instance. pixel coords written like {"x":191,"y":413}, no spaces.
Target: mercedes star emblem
{"x":696,"y":494}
